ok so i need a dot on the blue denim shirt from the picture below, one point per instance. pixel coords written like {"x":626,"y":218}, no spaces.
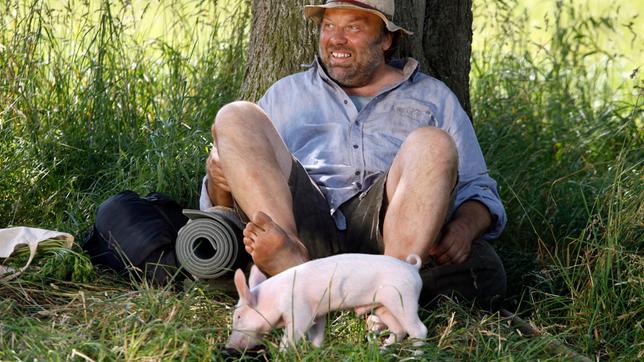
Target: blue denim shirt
{"x":344,"y":150}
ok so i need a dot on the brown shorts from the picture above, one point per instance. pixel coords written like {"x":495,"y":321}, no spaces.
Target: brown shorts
{"x":317,"y":228}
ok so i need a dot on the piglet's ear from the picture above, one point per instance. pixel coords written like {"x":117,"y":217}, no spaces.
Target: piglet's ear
{"x":245,"y":296}
{"x":256,"y":276}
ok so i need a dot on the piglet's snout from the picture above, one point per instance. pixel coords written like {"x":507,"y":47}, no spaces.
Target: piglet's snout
{"x":241,"y":340}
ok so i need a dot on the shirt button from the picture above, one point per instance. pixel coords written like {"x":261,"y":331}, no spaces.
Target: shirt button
{"x":346,"y":101}
{"x":358,"y":185}
{"x":355,"y":146}
{"x":357,"y":123}
{"x":357,"y":173}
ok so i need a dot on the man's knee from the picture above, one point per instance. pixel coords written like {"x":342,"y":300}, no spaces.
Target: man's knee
{"x":433,"y":141}
{"x":427,"y":148}
{"x":237,"y":116}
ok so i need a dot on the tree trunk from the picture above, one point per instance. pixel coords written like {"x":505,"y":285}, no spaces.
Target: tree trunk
{"x":442,"y":40}
{"x":282,"y":40}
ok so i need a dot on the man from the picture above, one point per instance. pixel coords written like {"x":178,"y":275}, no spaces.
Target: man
{"x":360,"y":155}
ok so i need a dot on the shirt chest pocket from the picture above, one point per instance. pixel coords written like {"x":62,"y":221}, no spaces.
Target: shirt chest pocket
{"x":404,"y":120}
{"x":387,"y":130}
{"x":414,"y":117}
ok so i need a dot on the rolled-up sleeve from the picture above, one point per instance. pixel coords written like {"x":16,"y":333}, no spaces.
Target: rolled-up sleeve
{"x":483,"y":188}
{"x":474,"y":182}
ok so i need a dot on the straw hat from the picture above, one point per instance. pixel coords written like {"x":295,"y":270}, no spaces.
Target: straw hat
{"x":383,"y":8}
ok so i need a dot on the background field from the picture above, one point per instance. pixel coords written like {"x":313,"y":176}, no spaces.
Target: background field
{"x":97,"y":97}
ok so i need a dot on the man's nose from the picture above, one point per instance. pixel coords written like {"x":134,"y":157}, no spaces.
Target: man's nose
{"x":338,"y":36}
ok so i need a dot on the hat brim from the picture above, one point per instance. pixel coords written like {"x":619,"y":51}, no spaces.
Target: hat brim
{"x":316,"y":12}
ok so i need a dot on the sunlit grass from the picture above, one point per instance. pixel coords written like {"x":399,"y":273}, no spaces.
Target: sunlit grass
{"x":94,"y":108}
{"x":610,"y":34}
{"x":560,"y":123}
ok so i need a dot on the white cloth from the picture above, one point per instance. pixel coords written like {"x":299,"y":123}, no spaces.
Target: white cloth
{"x":204,"y":199}
{"x":12,"y":237}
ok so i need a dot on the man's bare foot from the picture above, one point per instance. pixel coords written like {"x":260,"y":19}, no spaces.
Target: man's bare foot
{"x":271,"y":248}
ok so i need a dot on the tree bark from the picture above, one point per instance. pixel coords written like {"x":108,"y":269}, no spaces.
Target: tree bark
{"x":442,"y":40}
{"x":282,"y":40}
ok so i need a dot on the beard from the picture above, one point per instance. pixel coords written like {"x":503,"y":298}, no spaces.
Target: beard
{"x":358,"y":73}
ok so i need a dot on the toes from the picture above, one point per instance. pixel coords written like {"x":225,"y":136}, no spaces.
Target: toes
{"x":249,"y":233}
{"x":253,"y":228}
{"x":249,"y":245}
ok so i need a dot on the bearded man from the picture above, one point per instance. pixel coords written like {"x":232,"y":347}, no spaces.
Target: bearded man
{"x":358,"y":154}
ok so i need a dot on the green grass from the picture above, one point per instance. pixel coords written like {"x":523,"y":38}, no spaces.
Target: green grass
{"x":97,"y":98}
{"x":562,"y":129}
{"x":99,"y":111}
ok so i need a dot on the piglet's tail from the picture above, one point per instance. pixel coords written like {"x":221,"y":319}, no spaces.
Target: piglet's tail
{"x":414,"y":260}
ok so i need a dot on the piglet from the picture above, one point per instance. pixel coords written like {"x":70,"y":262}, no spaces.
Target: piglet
{"x":298,"y":298}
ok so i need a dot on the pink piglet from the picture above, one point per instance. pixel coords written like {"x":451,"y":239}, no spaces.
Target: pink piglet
{"x":298,"y":298}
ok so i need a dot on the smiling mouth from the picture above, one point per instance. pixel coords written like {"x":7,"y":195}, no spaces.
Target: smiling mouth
{"x":340,"y":55}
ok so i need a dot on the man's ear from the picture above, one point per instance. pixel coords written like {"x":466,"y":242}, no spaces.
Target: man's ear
{"x":256,"y":276}
{"x":245,"y":296}
{"x":387,"y":41}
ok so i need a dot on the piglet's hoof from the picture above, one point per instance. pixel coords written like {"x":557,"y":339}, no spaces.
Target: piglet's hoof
{"x":375,"y":324}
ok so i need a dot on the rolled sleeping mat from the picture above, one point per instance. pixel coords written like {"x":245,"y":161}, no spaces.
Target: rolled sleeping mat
{"x":210,"y":244}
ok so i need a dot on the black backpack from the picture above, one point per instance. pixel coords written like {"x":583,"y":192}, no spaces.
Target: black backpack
{"x":137,"y":235}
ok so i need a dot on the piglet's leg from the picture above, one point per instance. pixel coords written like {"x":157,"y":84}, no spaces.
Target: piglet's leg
{"x":296,"y":325}
{"x":408,"y":318}
{"x":316,"y":332}
{"x":397,"y":331}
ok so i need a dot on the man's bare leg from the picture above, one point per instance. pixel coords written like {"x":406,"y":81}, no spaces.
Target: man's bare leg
{"x":257,"y":164}
{"x":419,"y":186}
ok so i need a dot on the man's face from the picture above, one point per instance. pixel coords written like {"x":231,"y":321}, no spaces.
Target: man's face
{"x":352,"y":45}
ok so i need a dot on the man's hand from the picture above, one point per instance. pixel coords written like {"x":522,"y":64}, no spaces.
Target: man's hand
{"x":217,"y":186}
{"x":215,"y":174}
{"x":454,"y":245}
{"x":470,"y":221}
